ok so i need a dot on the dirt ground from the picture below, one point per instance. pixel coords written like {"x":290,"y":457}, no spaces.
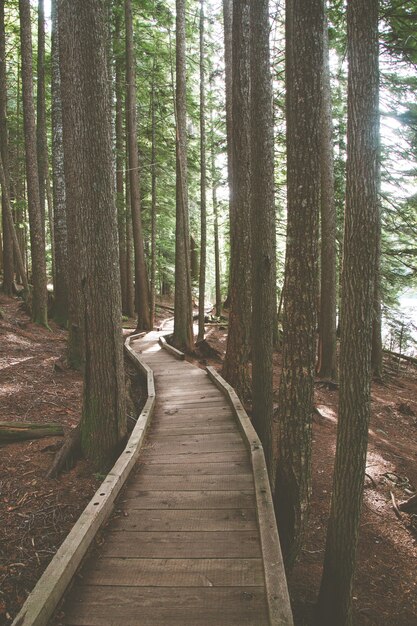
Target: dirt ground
{"x":36,"y":513}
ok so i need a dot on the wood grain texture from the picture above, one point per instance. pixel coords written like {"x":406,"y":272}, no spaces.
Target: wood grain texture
{"x":185,"y":519}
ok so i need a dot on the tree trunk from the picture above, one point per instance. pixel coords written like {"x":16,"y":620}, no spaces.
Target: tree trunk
{"x":120,"y":160}
{"x":153,"y":192}
{"x":103,"y":420}
{"x":304,"y":36}
{"x":183,"y":337}
{"x":328,"y":283}
{"x":358,"y":289}
{"x":216,"y":220}
{"x":8,"y":260}
{"x":60,"y":312}
{"x":141,"y":277}
{"x":262,"y":226}
{"x":37,"y":244}
{"x":228,"y":70}
{"x":203,"y":184}
{"x":235,"y":368}
{"x":130,"y":294}
{"x":42,"y":154}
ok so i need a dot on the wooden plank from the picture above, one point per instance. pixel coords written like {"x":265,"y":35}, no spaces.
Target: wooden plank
{"x":182,"y":544}
{"x":151,"y":456}
{"x":188,"y":499}
{"x":156,"y":606}
{"x":196,"y":447}
{"x":194,"y":469}
{"x":165,"y":428}
{"x":188,"y":482}
{"x":175,"y":572}
{"x":218,"y":438}
{"x":187,"y":519}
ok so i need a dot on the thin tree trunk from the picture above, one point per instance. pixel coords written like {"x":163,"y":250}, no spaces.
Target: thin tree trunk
{"x":228,"y":70}
{"x":58,"y":175}
{"x":262,"y":227}
{"x":8,"y":260}
{"x":203,"y":185}
{"x":304,"y":36}
{"x":328,"y":284}
{"x":141,"y":278}
{"x":358,"y":291}
{"x":42,"y":153}
{"x":39,"y":299}
{"x":216,"y":220}
{"x":154,"y":195}
{"x":236,"y":362}
{"x":130,"y":294}
{"x":183,"y":321}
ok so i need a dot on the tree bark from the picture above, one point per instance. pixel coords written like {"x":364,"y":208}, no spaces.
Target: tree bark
{"x":262,"y":226}
{"x":183,"y":337}
{"x":358,"y":289}
{"x":8,"y":260}
{"x":120,"y":161}
{"x":328,"y":282}
{"x":228,"y":70}
{"x":103,"y":420}
{"x":153,"y":192}
{"x":203,"y":184}
{"x":216,"y":220}
{"x":22,"y":431}
{"x":60,"y":311}
{"x":236,"y":366}
{"x":42,"y":154}
{"x":304,"y":36}
{"x":141,"y":277}
{"x":37,"y":243}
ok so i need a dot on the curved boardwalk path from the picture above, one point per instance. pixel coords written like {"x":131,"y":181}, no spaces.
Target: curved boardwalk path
{"x":187,"y":551}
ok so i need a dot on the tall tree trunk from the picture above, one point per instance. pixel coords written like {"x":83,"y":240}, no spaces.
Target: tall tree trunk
{"x":141,"y":277}
{"x":358,"y":289}
{"x":183,"y":321}
{"x":203,"y":185}
{"x":262,"y":226}
{"x":328,"y":283}
{"x":42,"y":153}
{"x":216,"y":220}
{"x":39,"y":298}
{"x":304,"y":36}
{"x":236,"y":368}
{"x":154,"y":194}
{"x":58,"y":175}
{"x":120,"y":160}
{"x":130,"y":294}
{"x":103,"y":421}
{"x":377,"y":363}
{"x":8,"y":260}
{"x":228,"y":70}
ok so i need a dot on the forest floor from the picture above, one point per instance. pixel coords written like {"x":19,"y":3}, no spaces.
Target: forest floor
{"x":36,"y":513}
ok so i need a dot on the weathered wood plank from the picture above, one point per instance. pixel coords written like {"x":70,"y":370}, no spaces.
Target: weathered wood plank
{"x":196,"y":447}
{"x":187,"y":482}
{"x":187,"y":519}
{"x":165,"y":428}
{"x":189,"y":499}
{"x":175,"y":572}
{"x":182,"y":544}
{"x":151,"y":456}
{"x":194,"y":469}
{"x":156,"y":606}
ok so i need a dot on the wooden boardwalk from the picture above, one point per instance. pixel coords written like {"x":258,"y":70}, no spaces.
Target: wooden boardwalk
{"x":187,"y":550}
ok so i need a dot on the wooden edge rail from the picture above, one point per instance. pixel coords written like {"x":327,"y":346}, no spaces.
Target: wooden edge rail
{"x":167,"y":346}
{"x":45,"y":597}
{"x":278,"y":599}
